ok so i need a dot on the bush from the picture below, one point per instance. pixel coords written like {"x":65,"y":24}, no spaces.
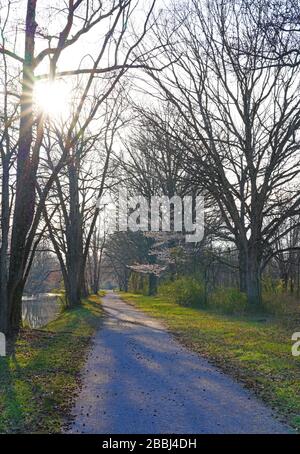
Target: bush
{"x":186,"y":291}
{"x":138,"y":283}
{"x":275,"y":299}
{"x":271,"y":285}
{"x":278,"y":303}
{"x":228,"y":300}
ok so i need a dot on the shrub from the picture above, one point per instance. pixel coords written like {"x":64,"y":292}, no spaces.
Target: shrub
{"x":186,"y":291}
{"x":278,"y":303}
{"x":228,"y":300}
{"x":275,"y":299}
{"x":138,"y":283}
{"x":271,"y":285}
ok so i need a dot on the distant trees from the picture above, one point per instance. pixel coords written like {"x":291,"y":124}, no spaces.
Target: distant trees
{"x":153,"y":161}
{"x":44,"y":273}
{"x":284,"y":256}
{"x":152,"y":165}
{"x":76,"y":189}
{"x":124,"y":249}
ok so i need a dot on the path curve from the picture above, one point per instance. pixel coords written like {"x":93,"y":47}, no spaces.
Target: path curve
{"x":139,"y":379}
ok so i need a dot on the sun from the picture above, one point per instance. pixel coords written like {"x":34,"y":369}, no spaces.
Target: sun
{"x":53,"y":98}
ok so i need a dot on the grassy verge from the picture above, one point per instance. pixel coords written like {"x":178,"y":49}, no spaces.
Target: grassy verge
{"x":39,"y":381}
{"x":255,"y":350}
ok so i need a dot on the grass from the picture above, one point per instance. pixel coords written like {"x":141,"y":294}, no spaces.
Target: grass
{"x":39,"y":381}
{"x":255,"y":350}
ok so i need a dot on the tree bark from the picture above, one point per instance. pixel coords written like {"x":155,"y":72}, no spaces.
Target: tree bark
{"x":254,"y":281}
{"x":25,"y":184}
{"x":152,"y":284}
{"x":4,"y":246}
{"x":74,"y":236}
{"x":243,"y":269}
{"x":250,"y":275}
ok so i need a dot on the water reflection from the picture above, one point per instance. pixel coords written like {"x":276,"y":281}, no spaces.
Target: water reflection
{"x":39,"y":310}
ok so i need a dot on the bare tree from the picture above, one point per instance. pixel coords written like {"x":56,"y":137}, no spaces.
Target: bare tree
{"x":114,"y":55}
{"x":152,"y":162}
{"x":278,"y":22}
{"x":81,"y":183}
{"x":239,"y":124}
{"x":95,"y":260}
{"x":8,"y":144}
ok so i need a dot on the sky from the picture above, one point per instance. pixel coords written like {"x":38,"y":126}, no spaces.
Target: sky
{"x":50,"y":22}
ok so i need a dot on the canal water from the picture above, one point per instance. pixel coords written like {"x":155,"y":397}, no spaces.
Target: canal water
{"x":38,"y":310}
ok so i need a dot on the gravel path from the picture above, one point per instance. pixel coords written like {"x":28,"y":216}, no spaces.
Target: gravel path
{"x":139,"y":379}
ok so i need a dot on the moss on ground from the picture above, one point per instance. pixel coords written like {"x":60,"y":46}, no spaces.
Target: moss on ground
{"x":254,"y":349}
{"x":39,"y":381}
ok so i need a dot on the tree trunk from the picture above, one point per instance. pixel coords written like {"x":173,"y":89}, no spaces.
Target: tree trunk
{"x":74,"y":238}
{"x":84,"y":286}
{"x":243,"y":269}
{"x":4,"y":246}
{"x":73,"y":292}
{"x":250,"y":275}
{"x":254,"y":280}
{"x":25,"y":185}
{"x":16,"y":313}
{"x":152,"y":284}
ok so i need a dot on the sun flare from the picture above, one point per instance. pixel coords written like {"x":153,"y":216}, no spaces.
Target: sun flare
{"x":53,"y":98}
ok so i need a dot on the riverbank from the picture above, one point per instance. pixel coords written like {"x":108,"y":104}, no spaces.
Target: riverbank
{"x":40,"y":380}
{"x":254,"y":350}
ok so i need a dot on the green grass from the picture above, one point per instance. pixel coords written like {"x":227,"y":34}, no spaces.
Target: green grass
{"x":39,"y":381}
{"x":255,"y":350}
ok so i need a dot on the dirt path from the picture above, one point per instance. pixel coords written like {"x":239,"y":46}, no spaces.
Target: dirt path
{"x":139,"y":379}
